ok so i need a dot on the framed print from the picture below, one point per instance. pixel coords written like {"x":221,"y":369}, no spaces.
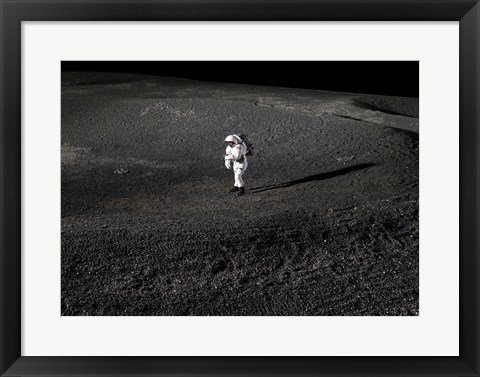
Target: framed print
{"x":239,"y":188}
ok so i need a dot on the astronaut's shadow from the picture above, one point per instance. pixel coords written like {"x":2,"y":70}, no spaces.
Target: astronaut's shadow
{"x":310,"y":178}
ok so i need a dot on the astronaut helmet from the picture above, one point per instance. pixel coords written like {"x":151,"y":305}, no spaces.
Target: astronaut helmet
{"x":231,"y":139}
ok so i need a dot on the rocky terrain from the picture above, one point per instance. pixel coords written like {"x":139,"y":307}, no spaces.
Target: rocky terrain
{"x":329,"y":224}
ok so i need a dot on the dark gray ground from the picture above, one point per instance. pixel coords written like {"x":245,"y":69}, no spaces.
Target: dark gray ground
{"x":329,"y":225}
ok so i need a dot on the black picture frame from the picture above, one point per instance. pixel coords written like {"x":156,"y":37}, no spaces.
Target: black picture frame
{"x":13,"y":12}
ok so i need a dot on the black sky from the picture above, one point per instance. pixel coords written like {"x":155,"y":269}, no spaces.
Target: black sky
{"x":396,"y":78}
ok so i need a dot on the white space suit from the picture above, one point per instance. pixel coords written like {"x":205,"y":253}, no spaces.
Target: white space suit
{"x":235,"y":153}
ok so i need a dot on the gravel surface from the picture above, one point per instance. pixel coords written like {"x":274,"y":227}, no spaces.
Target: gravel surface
{"x":329,"y":224}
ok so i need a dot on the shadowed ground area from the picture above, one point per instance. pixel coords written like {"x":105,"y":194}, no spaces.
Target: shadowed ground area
{"x":329,"y":224}
{"x":316,"y":177}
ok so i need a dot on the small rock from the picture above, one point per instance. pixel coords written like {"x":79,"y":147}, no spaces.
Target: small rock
{"x":120,"y":171}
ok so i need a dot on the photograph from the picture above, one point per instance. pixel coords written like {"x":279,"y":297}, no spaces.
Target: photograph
{"x":266,"y":188}
{"x":240,"y":188}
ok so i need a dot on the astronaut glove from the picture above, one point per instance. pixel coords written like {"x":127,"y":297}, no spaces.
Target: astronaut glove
{"x":228,"y":164}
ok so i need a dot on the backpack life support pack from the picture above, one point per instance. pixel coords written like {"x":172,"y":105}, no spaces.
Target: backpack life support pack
{"x":248,"y":144}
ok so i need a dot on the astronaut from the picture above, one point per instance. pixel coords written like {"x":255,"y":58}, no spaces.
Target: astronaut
{"x":235,"y":153}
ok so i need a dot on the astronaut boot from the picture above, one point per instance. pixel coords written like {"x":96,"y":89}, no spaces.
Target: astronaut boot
{"x":241,"y":191}
{"x":234,"y":188}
